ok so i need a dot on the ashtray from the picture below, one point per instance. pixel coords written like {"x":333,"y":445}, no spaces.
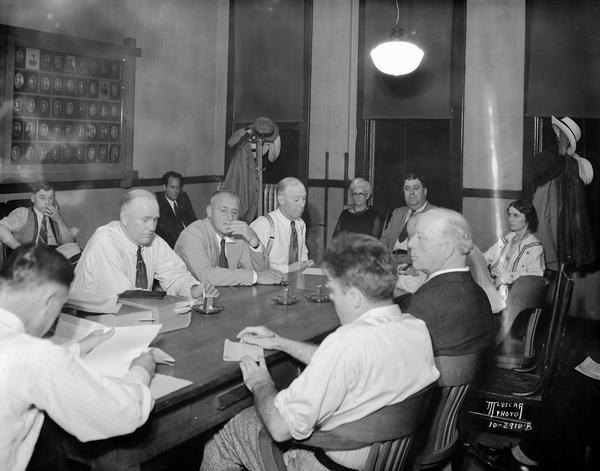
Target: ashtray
{"x":291,"y":300}
{"x":208,"y":311}
{"x":315,"y":298}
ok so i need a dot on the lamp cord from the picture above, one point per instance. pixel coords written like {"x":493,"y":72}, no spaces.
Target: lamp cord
{"x":397,"y":13}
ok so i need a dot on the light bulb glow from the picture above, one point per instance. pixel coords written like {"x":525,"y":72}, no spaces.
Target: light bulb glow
{"x":397,"y":57}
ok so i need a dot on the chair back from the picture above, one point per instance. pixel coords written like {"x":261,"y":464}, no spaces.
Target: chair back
{"x":527,"y":294}
{"x":269,"y":198}
{"x":388,"y":431}
{"x":440,"y":425}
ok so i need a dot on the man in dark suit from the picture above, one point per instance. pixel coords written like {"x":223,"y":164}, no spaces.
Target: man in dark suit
{"x":456,"y":310}
{"x":395,"y":234}
{"x":175,"y":208}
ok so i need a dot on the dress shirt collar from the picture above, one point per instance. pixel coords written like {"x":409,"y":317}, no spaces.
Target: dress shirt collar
{"x":380,"y":311}
{"x":123,"y":234}
{"x":449,"y":270}
{"x":171,"y":202}
{"x":11,"y":321}
{"x":420,"y":210}
{"x":228,"y":240}
{"x":39,"y":215}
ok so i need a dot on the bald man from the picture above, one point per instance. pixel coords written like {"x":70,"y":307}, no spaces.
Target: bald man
{"x":456,"y":310}
{"x":282,"y":232}
{"x":127,"y":254}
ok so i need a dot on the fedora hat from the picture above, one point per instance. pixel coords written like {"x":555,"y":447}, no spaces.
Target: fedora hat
{"x":265,"y":129}
{"x":570,"y":129}
{"x":586,"y":171}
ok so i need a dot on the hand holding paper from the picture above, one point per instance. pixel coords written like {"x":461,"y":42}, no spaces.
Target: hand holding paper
{"x":234,"y":351}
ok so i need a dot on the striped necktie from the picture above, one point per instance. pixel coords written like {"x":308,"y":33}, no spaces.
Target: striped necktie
{"x":141,"y":276}
{"x":293,"y":254}
{"x":43,"y":235}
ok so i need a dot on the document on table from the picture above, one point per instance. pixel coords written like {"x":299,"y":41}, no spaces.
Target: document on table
{"x":235,"y":351}
{"x":589,"y":368}
{"x":72,"y":329}
{"x":162,"y":385}
{"x":113,"y":356}
{"x":313,"y":271}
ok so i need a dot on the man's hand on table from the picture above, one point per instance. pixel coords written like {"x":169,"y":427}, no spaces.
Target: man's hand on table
{"x":87,"y":344}
{"x":146,"y":361}
{"x":255,"y":374}
{"x":269,"y":277}
{"x":204,"y":289}
{"x":301,"y":265}
{"x":261,"y":336}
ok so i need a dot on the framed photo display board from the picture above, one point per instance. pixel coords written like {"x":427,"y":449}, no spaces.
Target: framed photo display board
{"x":67,"y":107}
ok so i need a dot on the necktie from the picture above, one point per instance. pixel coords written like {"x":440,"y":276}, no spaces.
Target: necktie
{"x":141,"y":276}
{"x":43,"y":236}
{"x":177,"y":213}
{"x":404,"y":234}
{"x":223,"y":263}
{"x":293,"y":256}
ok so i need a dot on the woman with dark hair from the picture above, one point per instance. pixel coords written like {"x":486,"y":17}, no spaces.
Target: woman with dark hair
{"x":518,"y":252}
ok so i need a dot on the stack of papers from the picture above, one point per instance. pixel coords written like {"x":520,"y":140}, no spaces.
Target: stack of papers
{"x":589,"y":368}
{"x":113,"y":356}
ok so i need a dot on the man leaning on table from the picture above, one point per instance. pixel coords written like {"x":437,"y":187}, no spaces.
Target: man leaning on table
{"x":127,"y":254}
{"x":282,"y":232}
{"x":378,"y":357}
{"x":37,"y":376}
{"x":216,"y":249}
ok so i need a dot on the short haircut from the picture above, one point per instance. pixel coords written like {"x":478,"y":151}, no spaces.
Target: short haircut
{"x":358,"y":183}
{"x":134,"y":193}
{"x":31,"y":265}
{"x":219,"y":193}
{"x":362,"y":262}
{"x":414,"y":176}
{"x":455,"y":229}
{"x":172,"y":174}
{"x":41,"y":185}
{"x":525,"y":207}
{"x":286,"y":182}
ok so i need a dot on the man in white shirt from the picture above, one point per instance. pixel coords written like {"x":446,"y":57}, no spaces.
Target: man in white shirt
{"x":378,"y":357}
{"x":42,"y":223}
{"x":216,"y":249}
{"x":282,"y":232}
{"x":395,"y":234}
{"x":127,"y":254}
{"x":37,"y":376}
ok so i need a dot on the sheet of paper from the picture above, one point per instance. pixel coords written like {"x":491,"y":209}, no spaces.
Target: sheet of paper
{"x":72,"y":329}
{"x":113,"y":356}
{"x":589,"y":368}
{"x":161,"y":357}
{"x":313,"y":271}
{"x":162,"y":385}
{"x":88,"y":303}
{"x":235,"y":351}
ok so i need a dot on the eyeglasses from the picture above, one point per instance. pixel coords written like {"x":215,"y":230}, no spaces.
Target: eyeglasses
{"x":360,"y":194}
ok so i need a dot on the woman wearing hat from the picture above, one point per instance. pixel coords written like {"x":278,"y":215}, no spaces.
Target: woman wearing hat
{"x":518,"y":252}
{"x":360,"y":217}
{"x":243,"y":173}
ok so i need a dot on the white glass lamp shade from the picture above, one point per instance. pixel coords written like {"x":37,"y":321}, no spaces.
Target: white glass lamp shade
{"x":396,"y":57}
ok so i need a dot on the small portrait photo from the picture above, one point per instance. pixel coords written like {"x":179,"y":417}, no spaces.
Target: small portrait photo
{"x":32,"y":83}
{"x":91,"y":153}
{"x":69,"y":108}
{"x":19,"y":81}
{"x":31,"y":105}
{"x":46,"y":60}
{"x":69,"y":130}
{"x":70,"y":86}
{"x":103,"y":132}
{"x":43,"y":153}
{"x":15,"y":152}
{"x":32,"y":58}
{"x":20,"y":57}
{"x":17,"y":129}
{"x":81,"y":65}
{"x":93,"y":88}
{"x":102,"y":153}
{"x":114,"y":153}
{"x":44,"y":129}
{"x":30,"y":130}
{"x":59,"y":62}
{"x":44,"y":107}
{"x":18,"y":105}
{"x":70,"y":63}
{"x":81,"y":87}
{"x":45,"y":83}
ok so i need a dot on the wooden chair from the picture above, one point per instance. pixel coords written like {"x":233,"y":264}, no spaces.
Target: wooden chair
{"x":387,"y":431}
{"x":526,"y":301}
{"x":269,"y":198}
{"x":440,"y":432}
{"x":5,"y":210}
{"x":526,"y":387}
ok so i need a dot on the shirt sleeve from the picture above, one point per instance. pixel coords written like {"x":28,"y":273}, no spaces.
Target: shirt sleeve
{"x":261,"y":227}
{"x":82,"y":402}
{"x":318,"y":392}
{"x":171,"y":272}
{"x":16,"y":220}
{"x":492,"y":254}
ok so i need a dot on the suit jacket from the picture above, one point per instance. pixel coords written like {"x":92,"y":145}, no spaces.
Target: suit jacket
{"x":169,"y":226}
{"x":457,"y":313}
{"x":198,"y":248}
{"x":397,"y":222}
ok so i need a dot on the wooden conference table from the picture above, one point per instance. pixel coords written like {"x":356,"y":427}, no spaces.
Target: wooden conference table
{"x":217,"y":392}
